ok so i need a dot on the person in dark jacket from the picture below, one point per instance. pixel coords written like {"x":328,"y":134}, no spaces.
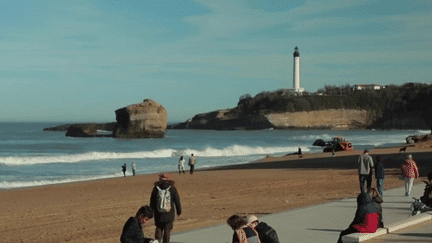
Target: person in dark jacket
{"x":366,"y":217}
{"x":377,"y":201}
{"x":243,"y":233}
{"x":380,"y":175}
{"x":164,"y":221}
{"x":134,"y":227}
{"x":427,"y":195}
{"x":266,"y":233}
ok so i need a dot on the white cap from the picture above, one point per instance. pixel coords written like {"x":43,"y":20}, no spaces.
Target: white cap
{"x":409,"y":156}
{"x":251,"y":218}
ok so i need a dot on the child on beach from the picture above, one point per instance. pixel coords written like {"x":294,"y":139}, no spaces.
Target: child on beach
{"x":181,"y":165}
{"x":134,"y":227}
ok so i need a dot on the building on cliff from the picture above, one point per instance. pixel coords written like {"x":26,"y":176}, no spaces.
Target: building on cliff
{"x":297,"y":89}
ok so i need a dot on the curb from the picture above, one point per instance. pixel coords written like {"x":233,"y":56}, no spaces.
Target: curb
{"x":360,"y":237}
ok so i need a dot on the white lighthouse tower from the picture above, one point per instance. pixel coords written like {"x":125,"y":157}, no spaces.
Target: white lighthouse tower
{"x":296,"y":73}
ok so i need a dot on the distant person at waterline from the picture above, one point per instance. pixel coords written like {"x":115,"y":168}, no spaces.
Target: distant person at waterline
{"x":181,"y":165}
{"x":133,"y":166}
{"x":192,"y":161}
{"x":124,"y":169}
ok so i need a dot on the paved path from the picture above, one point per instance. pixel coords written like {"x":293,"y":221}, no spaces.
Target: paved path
{"x":418,"y":233}
{"x":319,"y":223}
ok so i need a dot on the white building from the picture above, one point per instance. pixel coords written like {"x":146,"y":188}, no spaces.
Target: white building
{"x":296,"y":73}
{"x":359,"y":87}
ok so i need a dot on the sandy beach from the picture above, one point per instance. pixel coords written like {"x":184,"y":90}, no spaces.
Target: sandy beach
{"x":95,"y":211}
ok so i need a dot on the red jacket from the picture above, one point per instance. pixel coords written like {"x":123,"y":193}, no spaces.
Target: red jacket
{"x":410,"y":169}
{"x":369,"y":224}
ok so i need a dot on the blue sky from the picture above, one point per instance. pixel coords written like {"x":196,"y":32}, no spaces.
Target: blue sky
{"x":81,"y":60}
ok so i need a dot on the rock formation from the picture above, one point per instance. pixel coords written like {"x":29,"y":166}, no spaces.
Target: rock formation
{"x":147,"y":119}
{"x":81,"y":130}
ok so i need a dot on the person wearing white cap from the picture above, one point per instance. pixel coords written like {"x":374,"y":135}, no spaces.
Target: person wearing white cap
{"x":266,"y":233}
{"x":365,"y":165}
{"x":409,"y":172}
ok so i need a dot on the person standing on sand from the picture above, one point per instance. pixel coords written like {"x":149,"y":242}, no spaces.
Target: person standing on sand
{"x":380,"y":175}
{"x":409,"y":172}
{"x":300,"y":153}
{"x":134,"y":227}
{"x":124,"y":169}
{"x":133,"y":168}
{"x":192,"y":161}
{"x":164,"y":213}
{"x":365,"y":165}
{"x":181,"y":165}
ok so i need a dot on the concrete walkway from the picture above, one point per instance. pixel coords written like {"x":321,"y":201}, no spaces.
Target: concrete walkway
{"x":319,"y":223}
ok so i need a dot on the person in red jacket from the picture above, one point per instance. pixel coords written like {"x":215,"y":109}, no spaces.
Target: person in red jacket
{"x":409,"y":172}
{"x":366,"y":219}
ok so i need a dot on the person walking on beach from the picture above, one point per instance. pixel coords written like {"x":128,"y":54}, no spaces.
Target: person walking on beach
{"x":181,"y":165}
{"x":124,"y":169}
{"x":365,"y":165}
{"x":165,"y":202}
{"x":380,"y":175}
{"x":133,"y":168}
{"x":300,"y":153}
{"x":192,"y":161}
{"x":134,"y":227}
{"x":409,"y":172}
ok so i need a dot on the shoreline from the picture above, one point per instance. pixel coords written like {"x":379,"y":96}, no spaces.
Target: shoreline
{"x":95,"y":211}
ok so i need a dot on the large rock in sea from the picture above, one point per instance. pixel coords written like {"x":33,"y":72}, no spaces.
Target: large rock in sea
{"x":147,"y":119}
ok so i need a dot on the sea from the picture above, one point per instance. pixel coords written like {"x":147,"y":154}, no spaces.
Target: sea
{"x":32,"y":157}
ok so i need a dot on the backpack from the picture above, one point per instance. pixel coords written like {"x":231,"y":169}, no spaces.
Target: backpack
{"x":163,"y":200}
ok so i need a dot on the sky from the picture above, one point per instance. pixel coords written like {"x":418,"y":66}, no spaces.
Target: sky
{"x":79,"y":61}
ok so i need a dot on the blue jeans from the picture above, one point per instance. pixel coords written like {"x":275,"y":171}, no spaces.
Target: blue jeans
{"x":380,"y":186}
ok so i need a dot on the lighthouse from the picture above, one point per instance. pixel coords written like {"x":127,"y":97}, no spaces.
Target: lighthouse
{"x":296,"y":72}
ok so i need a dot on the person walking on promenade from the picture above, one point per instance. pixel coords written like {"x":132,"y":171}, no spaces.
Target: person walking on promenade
{"x":409,"y":172}
{"x":133,"y":166}
{"x":134,"y":227}
{"x":192,"y":161}
{"x":243,"y":233}
{"x":365,"y":165}
{"x":181,"y":165}
{"x":124,"y":169}
{"x":380,"y":175}
{"x":266,"y":233}
{"x":165,"y":202}
{"x":366,"y":217}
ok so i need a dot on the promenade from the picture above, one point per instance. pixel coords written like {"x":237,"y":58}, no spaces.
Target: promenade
{"x":319,"y":223}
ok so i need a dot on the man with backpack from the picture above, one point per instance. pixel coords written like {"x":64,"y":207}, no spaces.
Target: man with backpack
{"x":165,"y":202}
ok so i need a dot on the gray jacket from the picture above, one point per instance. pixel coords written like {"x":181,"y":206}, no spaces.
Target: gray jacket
{"x":365,"y":164}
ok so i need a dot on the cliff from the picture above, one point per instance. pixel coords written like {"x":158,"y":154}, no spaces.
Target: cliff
{"x":396,"y":107}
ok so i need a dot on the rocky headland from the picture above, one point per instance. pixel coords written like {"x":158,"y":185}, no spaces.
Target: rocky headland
{"x":395,"y":107}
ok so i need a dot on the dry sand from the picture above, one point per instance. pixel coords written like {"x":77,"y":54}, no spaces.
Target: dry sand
{"x":95,"y":211}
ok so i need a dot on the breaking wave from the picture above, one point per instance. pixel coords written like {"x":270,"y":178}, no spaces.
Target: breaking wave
{"x":235,"y":150}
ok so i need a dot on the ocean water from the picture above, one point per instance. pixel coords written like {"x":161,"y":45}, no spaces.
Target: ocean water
{"x":31,"y":157}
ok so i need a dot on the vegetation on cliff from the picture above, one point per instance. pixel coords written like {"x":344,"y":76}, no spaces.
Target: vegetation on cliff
{"x":393,"y":102}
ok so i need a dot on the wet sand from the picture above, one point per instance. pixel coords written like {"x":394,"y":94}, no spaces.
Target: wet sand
{"x":95,"y":211}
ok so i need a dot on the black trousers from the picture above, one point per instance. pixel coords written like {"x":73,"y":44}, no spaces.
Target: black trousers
{"x":348,"y":231}
{"x":192,"y":168}
{"x":163,"y":231}
{"x":365,"y":179}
